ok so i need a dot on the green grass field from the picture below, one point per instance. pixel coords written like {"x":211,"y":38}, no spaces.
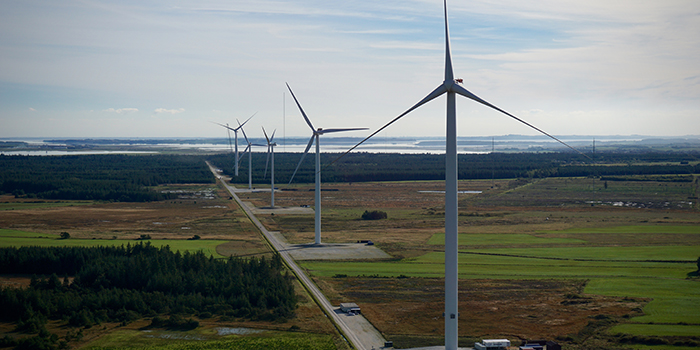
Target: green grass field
{"x":657,"y":272}
{"x":196,"y":340}
{"x":503,"y":239}
{"x":14,"y":238}
{"x":689,"y":229}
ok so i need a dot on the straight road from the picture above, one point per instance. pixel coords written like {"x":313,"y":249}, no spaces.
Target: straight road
{"x":357,"y":330}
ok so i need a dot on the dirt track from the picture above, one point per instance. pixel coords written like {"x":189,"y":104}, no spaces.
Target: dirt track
{"x":356,"y":329}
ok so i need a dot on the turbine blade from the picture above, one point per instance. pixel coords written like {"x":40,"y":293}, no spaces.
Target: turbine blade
{"x":431,"y":96}
{"x":449,"y":75}
{"x":230,"y":145}
{"x":243,"y":131}
{"x":225,"y":126}
{"x":244,"y":151}
{"x":273,"y":135}
{"x":458,"y":89}
{"x":327,"y":131}
{"x":301,"y":109}
{"x":308,"y":147}
{"x":241,"y":125}
{"x":266,"y":138}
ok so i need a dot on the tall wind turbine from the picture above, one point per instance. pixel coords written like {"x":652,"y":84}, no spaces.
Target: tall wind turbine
{"x":452,"y":87}
{"x":270,"y":151}
{"x":235,"y":133}
{"x":315,"y":135}
{"x":248,"y":149}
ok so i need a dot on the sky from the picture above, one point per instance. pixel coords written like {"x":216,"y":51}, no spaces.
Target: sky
{"x":151,"y":68}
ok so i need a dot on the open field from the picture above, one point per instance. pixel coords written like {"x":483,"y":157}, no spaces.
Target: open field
{"x":201,"y":210}
{"x":11,"y":238}
{"x":624,"y":257}
{"x":551,"y":258}
{"x":248,"y":339}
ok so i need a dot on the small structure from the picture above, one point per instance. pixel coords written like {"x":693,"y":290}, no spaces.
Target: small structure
{"x":492,"y":344}
{"x":349,"y":307}
{"x":531,"y":347}
{"x":539,"y":345}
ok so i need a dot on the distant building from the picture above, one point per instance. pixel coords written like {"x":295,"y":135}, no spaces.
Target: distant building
{"x":539,"y":345}
{"x":531,"y":347}
{"x":492,"y":344}
{"x":349,"y":307}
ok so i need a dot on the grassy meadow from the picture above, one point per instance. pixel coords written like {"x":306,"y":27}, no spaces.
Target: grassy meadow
{"x":207,"y":339}
{"x":655,"y":272}
{"x":14,"y":238}
{"x":580,"y":239}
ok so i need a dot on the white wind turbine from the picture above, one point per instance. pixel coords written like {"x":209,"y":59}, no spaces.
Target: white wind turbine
{"x":315,"y":135}
{"x":248,"y":149}
{"x":270,"y":151}
{"x":451,"y":87}
{"x":235,"y":132}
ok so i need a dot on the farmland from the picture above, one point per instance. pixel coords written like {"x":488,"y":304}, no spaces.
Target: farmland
{"x":547,"y":250}
{"x":589,"y":262}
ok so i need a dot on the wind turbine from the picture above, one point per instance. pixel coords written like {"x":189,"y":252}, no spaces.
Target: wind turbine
{"x":249,"y":149}
{"x":315,"y":135}
{"x":452,"y":87}
{"x":270,"y":151}
{"x":235,"y":132}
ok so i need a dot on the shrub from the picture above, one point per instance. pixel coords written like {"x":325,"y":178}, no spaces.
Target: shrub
{"x":374,"y":215}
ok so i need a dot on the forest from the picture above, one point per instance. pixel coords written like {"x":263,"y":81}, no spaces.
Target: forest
{"x":359,"y":167}
{"x":130,"y":178}
{"x":113,"y":177}
{"x":122,"y":284}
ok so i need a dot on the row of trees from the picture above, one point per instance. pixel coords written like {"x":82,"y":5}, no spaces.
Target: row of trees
{"x":111,"y":177}
{"x":120,"y":284}
{"x":358,"y":167}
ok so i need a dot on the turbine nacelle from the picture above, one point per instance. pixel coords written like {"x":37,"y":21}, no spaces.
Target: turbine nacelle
{"x":316,"y":132}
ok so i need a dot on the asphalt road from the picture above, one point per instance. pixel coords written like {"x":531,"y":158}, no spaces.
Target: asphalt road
{"x":356,"y":329}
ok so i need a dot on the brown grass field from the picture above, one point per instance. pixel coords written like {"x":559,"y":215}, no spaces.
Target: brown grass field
{"x":409,"y":309}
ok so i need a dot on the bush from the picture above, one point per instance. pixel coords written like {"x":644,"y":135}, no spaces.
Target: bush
{"x":65,"y":235}
{"x":374,"y":215}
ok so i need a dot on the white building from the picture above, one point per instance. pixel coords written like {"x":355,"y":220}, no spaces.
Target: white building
{"x":492,"y":344}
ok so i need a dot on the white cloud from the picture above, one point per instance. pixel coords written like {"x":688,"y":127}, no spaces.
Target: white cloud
{"x":121,"y":110}
{"x":32,"y":109}
{"x":171,"y":111}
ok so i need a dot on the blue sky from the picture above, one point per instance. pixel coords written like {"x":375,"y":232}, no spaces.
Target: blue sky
{"x":92,"y":68}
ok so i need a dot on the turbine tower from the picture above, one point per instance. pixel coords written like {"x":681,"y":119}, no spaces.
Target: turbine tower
{"x":235,"y":133}
{"x":248,"y":149}
{"x":315,"y":135}
{"x":270,"y":151}
{"x":452,"y":87}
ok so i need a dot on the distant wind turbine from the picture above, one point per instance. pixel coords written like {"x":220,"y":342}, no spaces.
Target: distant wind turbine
{"x":235,"y":132}
{"x":270,"y":151}
{"x":315,"y":135}
{"x":248,"y":149}
{"x":451,"y":87}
